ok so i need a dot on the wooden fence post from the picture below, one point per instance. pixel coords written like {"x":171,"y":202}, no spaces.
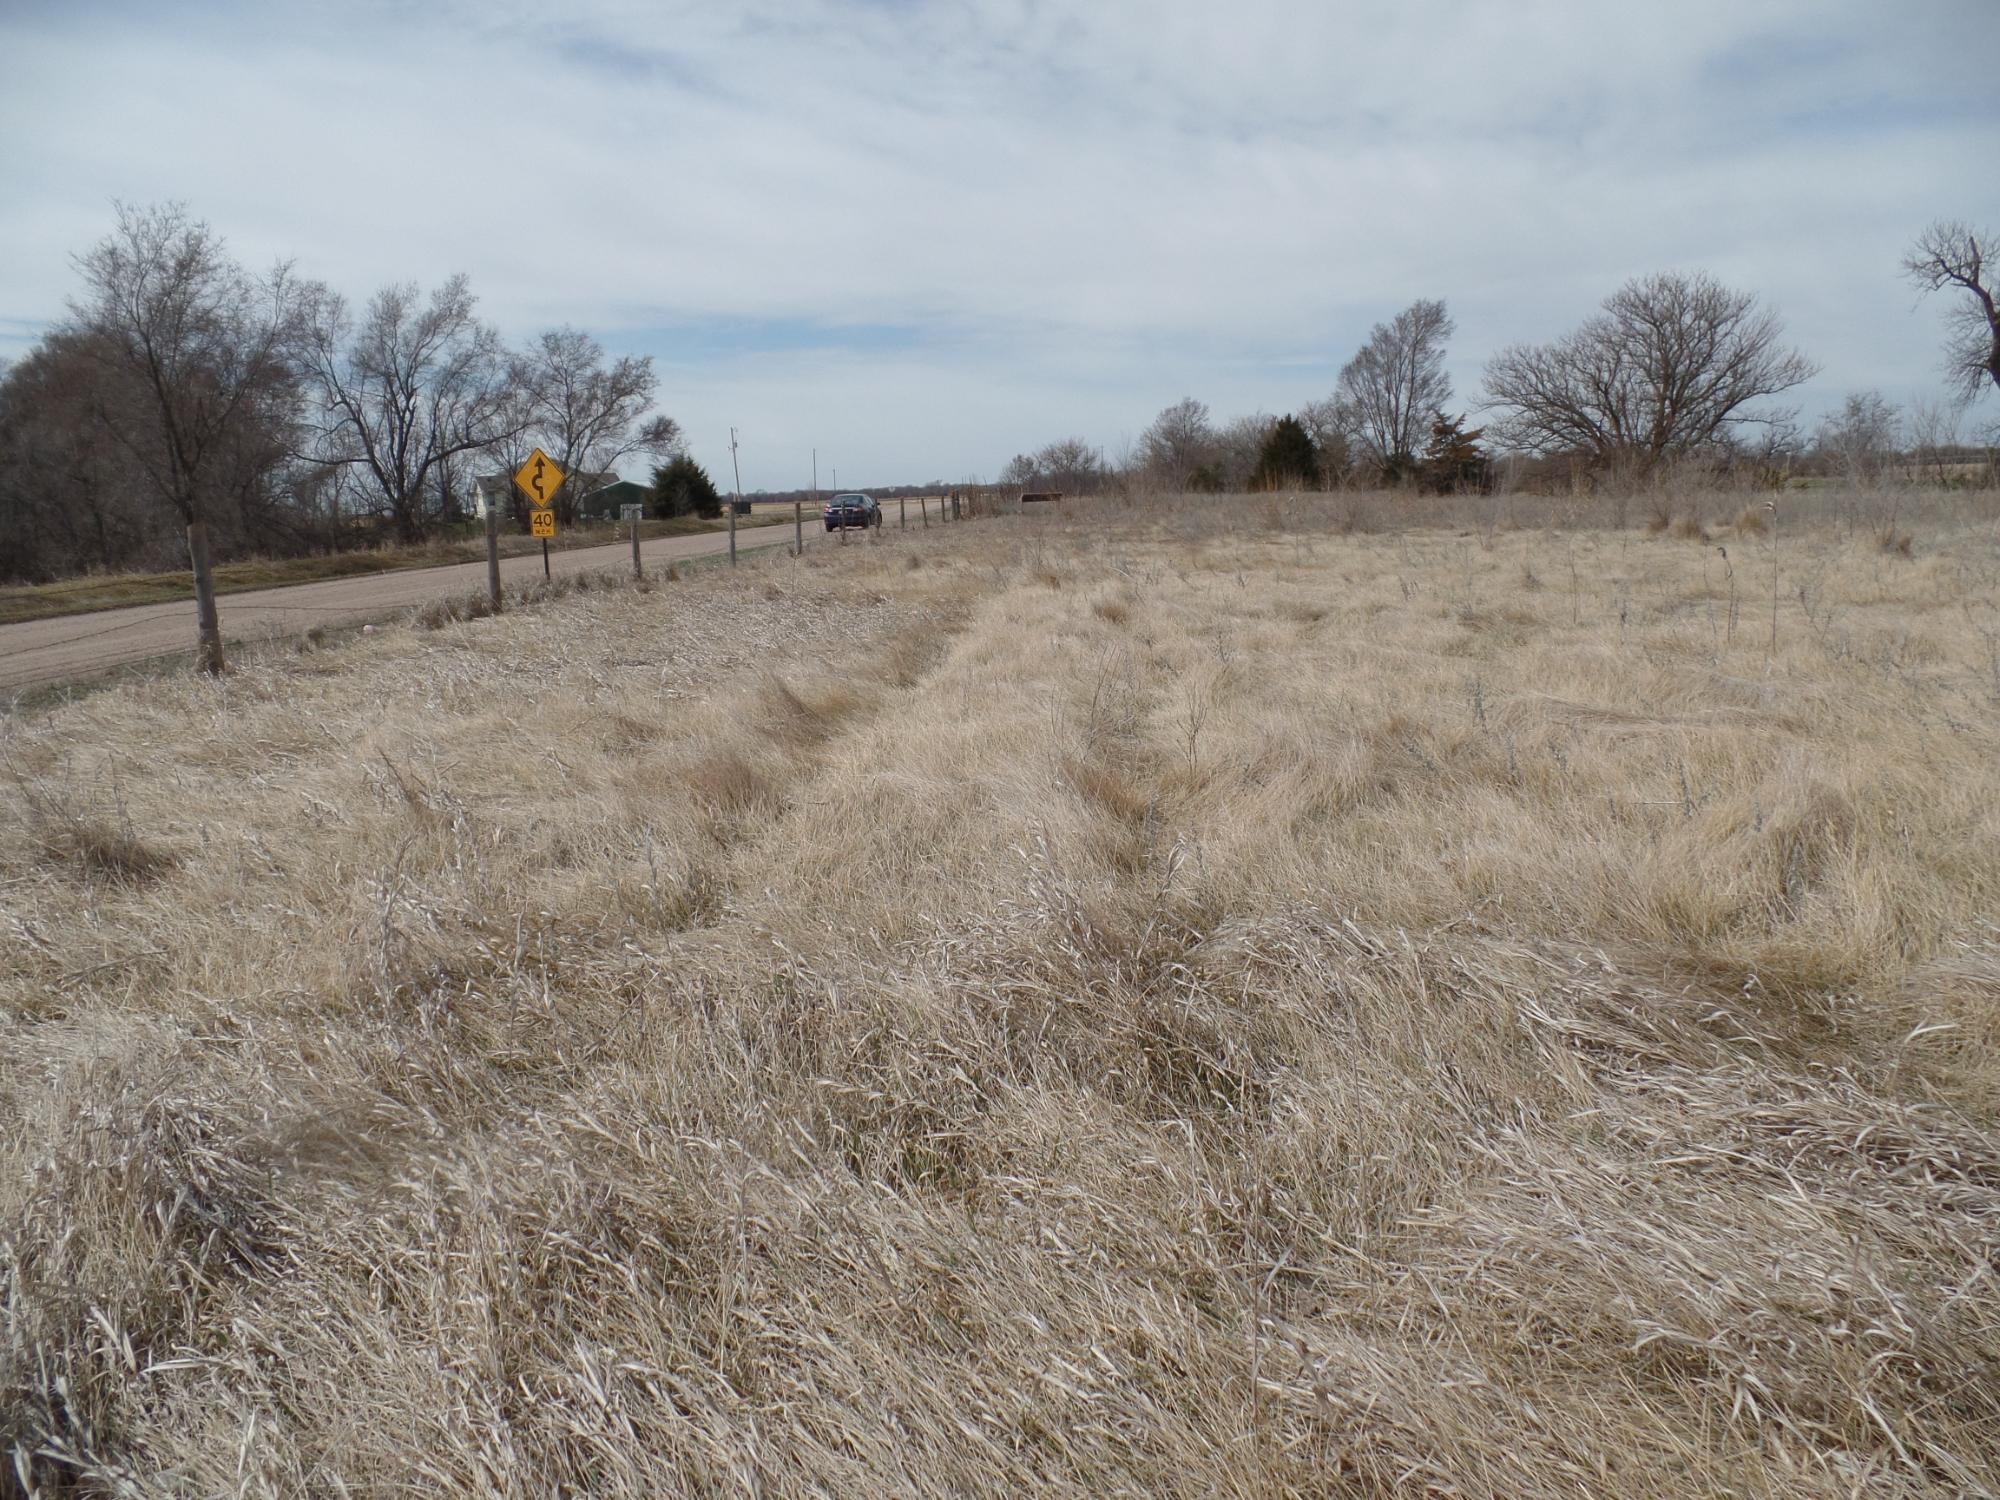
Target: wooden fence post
{"x":493,"y":553}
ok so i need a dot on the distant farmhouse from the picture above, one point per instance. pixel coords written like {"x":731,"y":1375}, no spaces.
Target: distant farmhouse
{"x":603,"y":494}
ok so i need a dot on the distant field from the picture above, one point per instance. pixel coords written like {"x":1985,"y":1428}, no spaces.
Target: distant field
{"x":1256,"y":998}
{"x":85,"y":595}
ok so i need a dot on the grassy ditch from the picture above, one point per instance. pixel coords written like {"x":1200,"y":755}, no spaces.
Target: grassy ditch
{"x":100,"y":591}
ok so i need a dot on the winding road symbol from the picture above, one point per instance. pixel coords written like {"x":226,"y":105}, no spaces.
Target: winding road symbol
{"x":538,"y":478}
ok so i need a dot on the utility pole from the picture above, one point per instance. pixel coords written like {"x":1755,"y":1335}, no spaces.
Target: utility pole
{"x":737,"y":469}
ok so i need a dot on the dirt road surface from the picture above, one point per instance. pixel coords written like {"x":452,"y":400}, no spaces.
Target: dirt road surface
{"x":37,"y":652}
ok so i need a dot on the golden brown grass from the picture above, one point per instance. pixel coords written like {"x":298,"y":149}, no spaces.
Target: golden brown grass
{"x":1152,"y":1000}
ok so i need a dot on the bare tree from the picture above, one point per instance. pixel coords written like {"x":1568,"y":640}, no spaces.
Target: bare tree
{"x":1669,"y":367}
{"x":1179,"y":442}
{"x":1069,"y":465}
{"x":589,"y":415}
{"x":1934,"y":428}
{"x":417,"y":382}
{"x":1388,"y":392}
{"x":194,"y":349}
{"x":1072,"y":466}
{"x":1952,"y":254}
{"x":1861,"y":437}
{"x":70,"y":501}
{"x":1238,"y":445}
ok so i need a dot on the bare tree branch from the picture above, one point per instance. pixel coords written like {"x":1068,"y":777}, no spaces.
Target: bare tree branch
{"x":1389,"y":391}
{"x":1068,"y":465}
{"x":1670,"y":366}
{"x":590,"y":415}
{"x":1951,"y":254}
{"x":1179,"y":441}
{"x":415,"y":383}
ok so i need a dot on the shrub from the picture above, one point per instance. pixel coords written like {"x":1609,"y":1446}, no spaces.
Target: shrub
{"x":681,"y":487}
{"x":1288,"y":459}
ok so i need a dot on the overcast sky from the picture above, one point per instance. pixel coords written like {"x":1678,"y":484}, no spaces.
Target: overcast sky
{"x":926,"y":236}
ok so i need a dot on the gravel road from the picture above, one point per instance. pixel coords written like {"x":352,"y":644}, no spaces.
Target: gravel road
{"x":36,"y":652}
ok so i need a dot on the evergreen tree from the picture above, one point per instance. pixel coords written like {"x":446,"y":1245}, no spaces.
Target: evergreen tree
{"x":681,"y":487}
{"x":1288,"y":460}
{"x":1453,"y":462}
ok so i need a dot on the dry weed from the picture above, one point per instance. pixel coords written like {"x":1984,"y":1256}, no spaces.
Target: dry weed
{"x":1142,"y":1003}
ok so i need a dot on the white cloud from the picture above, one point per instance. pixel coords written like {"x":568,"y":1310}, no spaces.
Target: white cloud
{"x":1074,"y":214}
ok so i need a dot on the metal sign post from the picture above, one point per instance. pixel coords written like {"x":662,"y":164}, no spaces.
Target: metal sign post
{"x":538,"y":478}
{"x":542,"y":523}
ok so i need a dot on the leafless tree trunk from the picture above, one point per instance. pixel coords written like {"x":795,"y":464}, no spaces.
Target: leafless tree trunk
{"x":1952,"y":254}
{"x":208,"y":624}
{"x":196,"y":352}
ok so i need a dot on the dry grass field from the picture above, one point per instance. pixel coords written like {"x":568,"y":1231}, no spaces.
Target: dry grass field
{"x":1189,"y":999}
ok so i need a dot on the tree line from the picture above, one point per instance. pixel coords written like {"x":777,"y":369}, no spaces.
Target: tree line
{"x":1672,"y":366}
{"x":188,"y":408}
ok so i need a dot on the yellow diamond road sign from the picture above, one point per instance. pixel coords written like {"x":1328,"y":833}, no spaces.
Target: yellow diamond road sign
{"x":539,"y":478}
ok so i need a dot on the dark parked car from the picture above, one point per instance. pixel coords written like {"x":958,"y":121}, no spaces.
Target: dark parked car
{"x":852,"y":510}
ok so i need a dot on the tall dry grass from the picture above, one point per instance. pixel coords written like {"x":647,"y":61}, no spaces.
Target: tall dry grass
{"x":1157,"y":1000}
